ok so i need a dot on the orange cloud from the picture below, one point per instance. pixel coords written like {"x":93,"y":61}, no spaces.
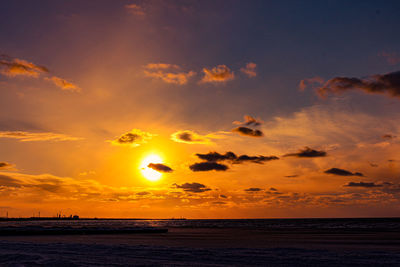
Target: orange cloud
{"x":63,"y":84}
{"x":13,"y":67}
{"x":31,"y":136}
{"x":220,"y":73}
{"x":250,"y":69}
{"x":168,"y":73}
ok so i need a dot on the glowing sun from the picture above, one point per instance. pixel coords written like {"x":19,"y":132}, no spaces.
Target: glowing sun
{"x":148,"y":173}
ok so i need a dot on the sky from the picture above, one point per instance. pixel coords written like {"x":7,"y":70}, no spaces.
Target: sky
{"x":199,"y":109}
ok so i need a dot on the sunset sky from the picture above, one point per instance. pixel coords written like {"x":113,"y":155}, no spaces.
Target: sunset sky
{"x":200,"y":109}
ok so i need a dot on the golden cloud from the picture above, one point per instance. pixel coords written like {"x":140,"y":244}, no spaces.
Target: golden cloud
{"x":13,"y":67}
{"x":168,"y":73}
{"x":220,"y":73}
{"x":63,"y":84}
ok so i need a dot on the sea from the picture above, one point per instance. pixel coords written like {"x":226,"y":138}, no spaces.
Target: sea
{"x":207,"y":242}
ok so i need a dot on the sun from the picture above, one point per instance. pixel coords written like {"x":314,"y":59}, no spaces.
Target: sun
{"x":147,"y":172}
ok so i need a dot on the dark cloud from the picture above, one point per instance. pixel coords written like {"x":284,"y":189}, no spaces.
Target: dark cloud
{"x":248,"y":132}
{"x":292,"y":176}
{"x":362,"y":184}
{"x":341,"y":172}
{"x":376,"y":84}
{"x":5,"y":165}
{"x":193,"y":187}
{"x":373,"y":165}
{"x":388,"y":136}
{"x":307,"y":153}
{"x":233,"y":158}
{"x":273,"y":189}
{"x":135,"y":137}
{"x":215,"y":156}
{"x":253,"y":189}
{"x":223,"y":196}
{"x":160,"y":167}
{"x":189,"y":137}
{"x":208,"y":166}
{"x":254,"y":159}
{"x":64,"y":84}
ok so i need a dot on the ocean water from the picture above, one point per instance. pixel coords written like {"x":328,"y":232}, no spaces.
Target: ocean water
{"x":380,"y":224}
{"x":260,"y":242}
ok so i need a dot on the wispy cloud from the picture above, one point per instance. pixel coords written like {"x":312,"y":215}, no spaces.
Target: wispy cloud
{"x":32,"y":136}
{"x":391,"y":58}
{"x":133,"y":138}
{"x":250,"y":69}
{"x":248,"y":121}
{"x":310,"y":81}
{"x":63,"y":84}
{"x":136,"y":10}
{"x":218,"y":74}
{"x":168,"y":73}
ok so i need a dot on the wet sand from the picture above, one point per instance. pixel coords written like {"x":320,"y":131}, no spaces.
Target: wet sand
{"x":207,"y":247}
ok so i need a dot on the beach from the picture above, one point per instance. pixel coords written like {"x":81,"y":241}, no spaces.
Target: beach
{"x":196,"y":246}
